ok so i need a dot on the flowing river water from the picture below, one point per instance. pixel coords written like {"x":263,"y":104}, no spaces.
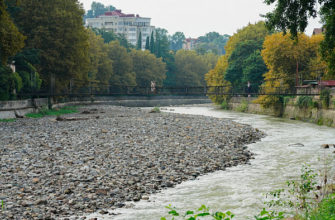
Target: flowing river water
{"x":278,"y":157}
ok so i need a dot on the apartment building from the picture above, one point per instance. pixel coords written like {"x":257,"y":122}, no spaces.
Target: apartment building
{"x":130,"y":25}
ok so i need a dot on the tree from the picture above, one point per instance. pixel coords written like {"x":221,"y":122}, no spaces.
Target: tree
{"x":212,"y":42}
{"x":152,"y":43}
{"x":176,"y":41}
{"x":241,"y":68}
{"x":147,"y":43}
{"x":123,"y":73}
{"x":294,"y":15}
{"x":288,"y":61}
{"x":11,"y":40}
{"x":139,"y":41}
{"x":190,"y":68}
{"x":252,"y":32}
{"x":101,"y":68}
{"x":98,"y":9}
{"x":109,"y":36}
{"x":147,"y":68}
{"x":56,"y":30}
{"x":161,"y":43}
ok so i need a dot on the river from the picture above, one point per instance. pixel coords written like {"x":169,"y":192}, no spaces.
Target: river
{"x":278,"y":157}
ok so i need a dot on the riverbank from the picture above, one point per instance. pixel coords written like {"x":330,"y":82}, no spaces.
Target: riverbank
{"x":288,"y":110}
{"x":104,"y":156}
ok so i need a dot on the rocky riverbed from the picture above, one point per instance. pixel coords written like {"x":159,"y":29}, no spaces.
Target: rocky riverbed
{"x":105,"y":156}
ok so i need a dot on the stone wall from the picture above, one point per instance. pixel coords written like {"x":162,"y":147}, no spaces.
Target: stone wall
{"x":12,"y":109}
{"x":291,"y":111}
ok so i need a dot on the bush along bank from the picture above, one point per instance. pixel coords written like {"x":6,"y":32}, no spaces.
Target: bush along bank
{"x":319,"y":109}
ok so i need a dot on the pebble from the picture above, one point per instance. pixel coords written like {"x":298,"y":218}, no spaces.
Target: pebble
{"x":109,"y":155}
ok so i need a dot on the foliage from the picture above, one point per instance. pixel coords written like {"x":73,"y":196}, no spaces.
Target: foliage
{"x":203,"y":211}
{"x":98,"y":9}
{"x":304,"y":102}
{"x":147,"y":68}
{"x":243,"y":107}
{"x":101,"y":68}
{"x":10,"y":83}
{"x":325,"y":210}
{"x":300,"y":194}
{"x":246,"y":64}
{"x":26,"y":62}
{"x":109,"y":36}
{"x":123,"y":73}
{"x":190,"y":68}
{"x":212,"y":42}
{"x":161,"y":43}
{"x":155,"y":110}
{"x":56,"y":30}
{"x":325,"y":98}
{"x":176,"y":41}
{"x":294,"y":15}
{"x":216,"y":77}
{"x":11,"y":40}
{"x":224,"y":105}
{"x":7,"y":120}
{"x":283,"y":57}
{"x":147,"y":43}
{"x":139,"y":42}
{"x":48,"y":112}
{"x":269,"y":215}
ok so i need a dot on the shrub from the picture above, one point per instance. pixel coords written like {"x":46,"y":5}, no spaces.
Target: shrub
{"x":326,"y":209}
{"x":224,"y":105}
{"x":304,"y":102}
{"x":243,"y":107}
{"x":325,"y":98}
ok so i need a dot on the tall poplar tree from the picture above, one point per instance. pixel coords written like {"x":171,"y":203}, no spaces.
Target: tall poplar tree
{"x":147,"y":44}
{"x":152,"y":43}
{"x":139,"y":41}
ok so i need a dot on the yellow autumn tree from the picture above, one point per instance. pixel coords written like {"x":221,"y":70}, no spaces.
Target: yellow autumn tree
{"x":289,"y":62}
{"x":317,"y":66}
{"x":215,"y":77}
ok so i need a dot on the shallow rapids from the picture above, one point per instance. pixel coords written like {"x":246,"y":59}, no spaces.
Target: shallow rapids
{"x":278,"y":157}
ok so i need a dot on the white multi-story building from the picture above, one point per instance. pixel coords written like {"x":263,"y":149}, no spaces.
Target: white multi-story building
{"x":129,"y":25}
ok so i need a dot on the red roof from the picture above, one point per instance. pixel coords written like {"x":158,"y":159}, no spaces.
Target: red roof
{"x":328,"y":83}
{"x":118,"y":13}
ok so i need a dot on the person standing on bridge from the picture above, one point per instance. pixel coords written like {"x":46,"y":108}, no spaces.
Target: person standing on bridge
{"x":249,"y":89}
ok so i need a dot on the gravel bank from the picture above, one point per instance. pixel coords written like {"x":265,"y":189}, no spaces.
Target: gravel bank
{"x":52,"y":169}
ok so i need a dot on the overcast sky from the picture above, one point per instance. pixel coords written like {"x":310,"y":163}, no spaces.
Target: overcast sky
{"x":196,"y":17}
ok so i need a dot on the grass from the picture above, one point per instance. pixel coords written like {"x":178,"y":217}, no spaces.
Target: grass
{"x":8,"y":120}
{"x":46,"y":112}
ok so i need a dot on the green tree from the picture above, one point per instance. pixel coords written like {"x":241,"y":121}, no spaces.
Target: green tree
{"x":139,"y":41}
{"x":10,"y":83}
{"x":123,"y":73}
{"x":109,"y":36}
{"x":294,"y":15}
{"x":212,"y":42}
{"x":161,"y":43}
{"x":56,"y":30}
{"x":11,"y":40}
{"x":148,"y":68}
{"x":241,"y":67}
{"x":98,"y":9}
{"x":101,"y":68}
{"x":147,"y":43}
{"x":152,"y":43}
{"x":190,"y":68}
{"x":176,"y":41}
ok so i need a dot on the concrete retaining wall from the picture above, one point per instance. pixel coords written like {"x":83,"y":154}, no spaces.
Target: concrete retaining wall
{"x":10,"y":109}
{"x":291,"y":111}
